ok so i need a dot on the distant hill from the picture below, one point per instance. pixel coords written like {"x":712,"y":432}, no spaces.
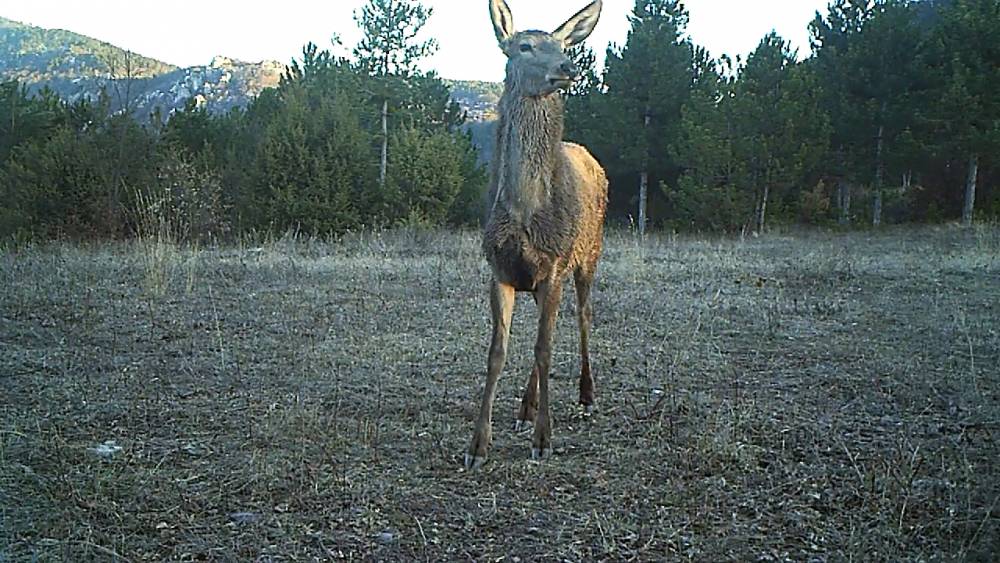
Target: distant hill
{"x":76,"y":66}
{"x":479,"y":99}
{"x":34,"y":55}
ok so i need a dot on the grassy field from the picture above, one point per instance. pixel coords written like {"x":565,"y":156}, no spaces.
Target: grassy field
{"x":809,"y":397}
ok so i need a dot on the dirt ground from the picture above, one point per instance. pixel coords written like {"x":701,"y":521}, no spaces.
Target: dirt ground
{"x":806,"y":397}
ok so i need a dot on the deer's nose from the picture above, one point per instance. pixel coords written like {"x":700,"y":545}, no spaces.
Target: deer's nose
{"x":570,"y":69}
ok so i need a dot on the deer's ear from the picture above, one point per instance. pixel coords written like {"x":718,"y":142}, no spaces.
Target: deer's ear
{"x":503,"y":22}
{"x":578,"y":27}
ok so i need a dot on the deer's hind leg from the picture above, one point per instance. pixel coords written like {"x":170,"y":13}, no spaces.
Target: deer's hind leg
{"x":529,"y":402}
{"x":584,"y":278}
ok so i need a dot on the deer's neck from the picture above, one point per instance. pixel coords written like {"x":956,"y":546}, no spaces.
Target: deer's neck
{"x":529,"y":137}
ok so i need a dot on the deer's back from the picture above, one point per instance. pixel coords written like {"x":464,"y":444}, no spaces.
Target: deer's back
{"x":591,"y":187}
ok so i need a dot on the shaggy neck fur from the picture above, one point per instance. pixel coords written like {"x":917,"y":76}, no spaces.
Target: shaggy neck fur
{"x":529,"y":137}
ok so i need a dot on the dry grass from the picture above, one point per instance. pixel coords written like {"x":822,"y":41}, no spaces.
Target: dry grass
{"x":793,"y":398}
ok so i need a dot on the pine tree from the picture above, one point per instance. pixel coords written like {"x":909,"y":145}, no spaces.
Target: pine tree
{"x":584,"y":59}
{"x":586,"y":104}
{"x":390,"y":46}
{"x":648,"y":81}
{"x":868,"y":56}
{"x":711,"y":192}
{"x":965,"y":57}
{"x":390,"y":50}
{"x":831,"y":39}
{"x":781,"y":133}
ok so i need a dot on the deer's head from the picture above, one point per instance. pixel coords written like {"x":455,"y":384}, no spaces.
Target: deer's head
{"x":537,"y":64}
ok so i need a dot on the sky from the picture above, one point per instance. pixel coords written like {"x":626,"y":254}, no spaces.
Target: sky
{"x":189,"y":32}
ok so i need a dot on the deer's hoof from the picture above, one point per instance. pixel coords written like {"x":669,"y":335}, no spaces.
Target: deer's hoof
{"x":474,"y":462}
{"x":520,"y":425}
{"x":588,"y":410}
{"x":541,"y":454}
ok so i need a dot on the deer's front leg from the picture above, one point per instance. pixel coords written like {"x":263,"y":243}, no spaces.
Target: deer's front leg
{"x":549,"y":295}
{"x":502,"y":309}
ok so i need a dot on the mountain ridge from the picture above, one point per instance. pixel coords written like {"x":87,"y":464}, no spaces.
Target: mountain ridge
{"x":24,"y":47}
{"x":76,"y":66}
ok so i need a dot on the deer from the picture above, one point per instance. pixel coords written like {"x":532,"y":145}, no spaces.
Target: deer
{"x":546,"y":205}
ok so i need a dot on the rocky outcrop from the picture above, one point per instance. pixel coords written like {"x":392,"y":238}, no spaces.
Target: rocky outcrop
{"x":220,"y":86}
{"x":78,"y":67}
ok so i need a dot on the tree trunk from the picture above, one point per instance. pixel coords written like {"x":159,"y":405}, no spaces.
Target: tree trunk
{"x":762,"y":210}
{"x":644,"y":183}
{"x":879,"y":173}
{"x":844,"y":201}
{"x":643,"y":195}
{"x":384,"y":162}
{"x":385,"y":143}
{"x":877,"y":209}
{"x":114,"y":219}
{"x":970,"y":190}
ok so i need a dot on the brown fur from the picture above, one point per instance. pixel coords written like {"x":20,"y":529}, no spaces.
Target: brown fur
{"x":547,"y":204}
{"x":557,"y":226}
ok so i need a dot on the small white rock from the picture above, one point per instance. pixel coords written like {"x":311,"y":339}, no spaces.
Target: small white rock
{"x":385,"y":538}
{"x":245,"y":517}
{"x":107,"y":450}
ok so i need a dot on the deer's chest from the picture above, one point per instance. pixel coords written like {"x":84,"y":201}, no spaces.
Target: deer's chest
{"x":520,"y":265}
{"x":516,"y":257}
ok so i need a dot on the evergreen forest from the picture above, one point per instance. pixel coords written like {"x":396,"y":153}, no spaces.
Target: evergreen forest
{"x":892,"y":117}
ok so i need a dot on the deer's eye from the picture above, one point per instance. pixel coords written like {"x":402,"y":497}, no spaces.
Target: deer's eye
{"x":526,"y":47}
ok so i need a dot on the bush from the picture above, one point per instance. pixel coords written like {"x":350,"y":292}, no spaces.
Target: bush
{"x":58,"y":185}
{"x":718,"y":208}
{"x":184,"y":199}
{"x":425,"y":170}
{"x":814,"y":205}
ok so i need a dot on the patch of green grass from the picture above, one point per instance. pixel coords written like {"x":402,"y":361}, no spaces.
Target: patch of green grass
{"x":808,"y":396}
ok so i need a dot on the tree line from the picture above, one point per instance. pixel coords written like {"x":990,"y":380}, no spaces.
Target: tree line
{"x":342,"y":143}
{"x":893,"y":117}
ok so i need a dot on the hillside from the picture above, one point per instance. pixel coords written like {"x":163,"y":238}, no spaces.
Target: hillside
{"x":477,"y":98}
{"x":76,"y":66}
{"x":35,"y":55}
